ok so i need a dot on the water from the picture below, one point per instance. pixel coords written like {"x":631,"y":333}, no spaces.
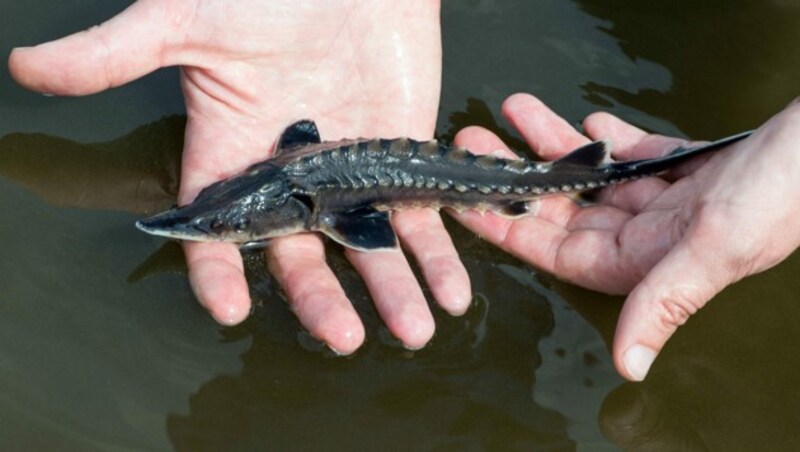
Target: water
{"x":102,"y":345}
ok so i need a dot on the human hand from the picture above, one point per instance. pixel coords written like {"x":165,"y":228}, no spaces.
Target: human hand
{"x":671,"y":245}
{"x":249,"y":69}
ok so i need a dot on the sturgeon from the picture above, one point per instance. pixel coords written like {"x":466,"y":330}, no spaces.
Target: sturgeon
{"x":347,"y":189}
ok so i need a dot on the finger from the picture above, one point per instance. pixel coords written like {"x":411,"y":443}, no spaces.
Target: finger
{"x":680,"y":284}
{"x":422,"y":232}
{"x":215,"y":269}
{"x":217,"y":279}
{"x":316,"y":297}
{"x":481,"y":141}
{"x":623,"y":136}
{"x":397,"y":295}
{"x":124,"y":48}
{"x":546,"y":132}
{"x":629,"y":142}
{"x":212,"y":153}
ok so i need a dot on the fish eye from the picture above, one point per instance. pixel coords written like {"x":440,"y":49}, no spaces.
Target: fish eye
{"x":241,"y":224}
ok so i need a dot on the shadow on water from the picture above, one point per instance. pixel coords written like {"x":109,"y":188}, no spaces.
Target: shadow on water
{"x":478,"y":113}
{"x":138,"y":173}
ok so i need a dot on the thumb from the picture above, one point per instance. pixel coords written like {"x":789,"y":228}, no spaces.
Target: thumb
{"x":120,"y":50}
{"x":679,"y":285}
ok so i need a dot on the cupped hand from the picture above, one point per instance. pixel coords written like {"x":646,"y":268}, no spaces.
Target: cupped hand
{"x":671,"y":244}
{"x":251,"y":67}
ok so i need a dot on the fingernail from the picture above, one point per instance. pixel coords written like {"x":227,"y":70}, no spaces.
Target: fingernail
{"x":637,"y":360}
{"x":230,"y":315}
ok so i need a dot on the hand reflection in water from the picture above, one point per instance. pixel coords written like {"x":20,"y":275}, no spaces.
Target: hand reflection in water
{"x":672,"y":244}
{"x":249,"y":69}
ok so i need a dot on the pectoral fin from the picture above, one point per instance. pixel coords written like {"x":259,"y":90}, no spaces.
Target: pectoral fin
{"x":362,"y":229}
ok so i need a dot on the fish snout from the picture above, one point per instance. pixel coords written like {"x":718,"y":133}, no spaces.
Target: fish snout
{"x":171,"y":224}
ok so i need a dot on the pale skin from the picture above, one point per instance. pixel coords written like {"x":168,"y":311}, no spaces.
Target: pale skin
{"x":670,"y":244}
{"x":250,"y":68}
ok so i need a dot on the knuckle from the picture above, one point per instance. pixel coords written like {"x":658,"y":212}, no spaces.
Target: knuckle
{"x":674,"y":310}
{"x":417,"y":223}
{"x":443,"y":266}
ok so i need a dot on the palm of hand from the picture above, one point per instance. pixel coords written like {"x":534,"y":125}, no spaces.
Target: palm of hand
{"x":342,"y":72}
{"x":609,"y":246}
{"x":249,"y":69}
{"x":246,"y":78}
{"x":673,"y":246}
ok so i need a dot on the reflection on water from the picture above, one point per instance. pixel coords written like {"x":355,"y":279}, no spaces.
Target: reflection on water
{"x":103,"y":346}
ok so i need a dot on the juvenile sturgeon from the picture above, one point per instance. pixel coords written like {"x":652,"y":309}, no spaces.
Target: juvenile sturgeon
{"x":347,"y":189}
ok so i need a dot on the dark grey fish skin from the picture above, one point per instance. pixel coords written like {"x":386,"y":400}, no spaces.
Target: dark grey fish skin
{"x":346,"y":189}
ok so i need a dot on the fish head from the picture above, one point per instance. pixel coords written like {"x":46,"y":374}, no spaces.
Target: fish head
{"x":246,"y":208}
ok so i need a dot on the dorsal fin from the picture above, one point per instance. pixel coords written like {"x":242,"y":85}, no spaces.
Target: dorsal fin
{"x":592,"y":154}
{"x":298,"y":134}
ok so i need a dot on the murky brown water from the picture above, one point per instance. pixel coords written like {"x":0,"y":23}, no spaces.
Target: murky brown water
{"x":102,"y":345}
